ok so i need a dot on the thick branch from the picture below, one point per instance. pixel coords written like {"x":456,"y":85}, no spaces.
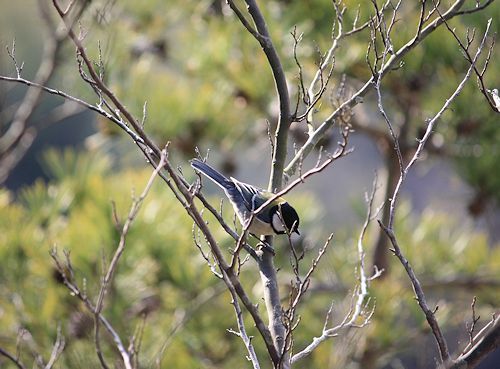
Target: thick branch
{"x":176,"y":184}
{"x":281,"y":135}
{"x":487,"y":340}
{"x":266,"y":265}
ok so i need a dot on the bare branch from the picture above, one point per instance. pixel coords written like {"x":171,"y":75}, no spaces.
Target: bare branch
{"x":304,"y":283}
{"x":281,"y":135}
{"x":430,"y":127}
{"x":259,"y":37}
{"x":472,"y":326}
{"x":12,"y":54}
{"x":469,"y":58}
{"x":429,"y":314}
{"x":301,"y":90}
{"x":476,"y":8}
{"x":56,"y":350}
{"x":68,"y":281}
{"x":486,"y":341}
{"x":266,"y":266}
{"x":242,"y":333}
{"x":359,"y":307}
{"x":211,"y":263}
{"x":15,"y":360}
{"x":357,"y":97}
{"x":261,"y":34}
{"x":313,"y":97}
{"x":78,"y":101}
{"x":99,"y":83}
{"x":134,"y":210}
{"x":175,"y":183}
{"x":377,"y":86}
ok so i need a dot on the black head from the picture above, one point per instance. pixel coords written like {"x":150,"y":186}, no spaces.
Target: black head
{"x":288,"y":218}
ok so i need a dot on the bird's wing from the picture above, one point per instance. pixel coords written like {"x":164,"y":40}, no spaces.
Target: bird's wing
{"x":254,"y":198}
{"x":249,"y":193}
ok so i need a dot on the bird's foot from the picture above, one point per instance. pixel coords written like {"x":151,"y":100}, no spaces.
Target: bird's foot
{"x":265,"y":246}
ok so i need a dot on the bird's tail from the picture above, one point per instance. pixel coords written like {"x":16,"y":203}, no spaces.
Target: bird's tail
{"x":211,"y":173}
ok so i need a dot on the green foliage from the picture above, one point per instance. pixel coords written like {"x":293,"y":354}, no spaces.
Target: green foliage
{"x":443,"y":253}
{"x":161,"y":273}
{"x":74,"y":212}
{"x":206,"y":81}
{"x":193,"y":88}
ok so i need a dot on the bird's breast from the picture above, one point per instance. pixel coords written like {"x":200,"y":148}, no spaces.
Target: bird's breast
{"x":259,"y":227}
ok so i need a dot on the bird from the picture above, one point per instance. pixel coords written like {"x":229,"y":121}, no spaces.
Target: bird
{"x":278,"y":217}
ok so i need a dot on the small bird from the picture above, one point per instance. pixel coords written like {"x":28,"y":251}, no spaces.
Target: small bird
{"x":278,"y":217}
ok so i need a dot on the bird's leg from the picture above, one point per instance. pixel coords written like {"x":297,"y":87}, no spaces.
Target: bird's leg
{"x":264,"y":245}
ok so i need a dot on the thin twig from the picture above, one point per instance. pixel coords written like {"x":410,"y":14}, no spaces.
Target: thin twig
{"x":419,"y":293}
{"x":359,"y":307}
{"x":134,"y":210}
{"x":242,"y":333}
{"x":15,"y":360}
{"x":486,"y":341}
{"x":472,"y":326}
{"x":259,"y":37}
{"x":304,"y":284}
{"x":68,"y":281}
{"x":80,"y":102}
{"x":469,"y":58}
{"x":57,"y":349}
{"x":357,"y":97}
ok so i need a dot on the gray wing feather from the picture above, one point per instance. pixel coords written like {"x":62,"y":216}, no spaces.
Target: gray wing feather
{"x":248,"y":193}
{"x":252,"y":198}
{"x":245,"y":197}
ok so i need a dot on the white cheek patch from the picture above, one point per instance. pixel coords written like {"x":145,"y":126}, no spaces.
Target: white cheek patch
{"x":277,"y":223}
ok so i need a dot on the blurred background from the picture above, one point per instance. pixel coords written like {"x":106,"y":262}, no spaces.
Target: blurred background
{"x":208,"y":86}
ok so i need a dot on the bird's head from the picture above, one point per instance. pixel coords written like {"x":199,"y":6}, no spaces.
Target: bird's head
{"x":284,"y":219}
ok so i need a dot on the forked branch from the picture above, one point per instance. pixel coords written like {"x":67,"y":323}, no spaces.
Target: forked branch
{"x":423,"y":31}
{"x":360,"y":312}
{"x":419,"y":293}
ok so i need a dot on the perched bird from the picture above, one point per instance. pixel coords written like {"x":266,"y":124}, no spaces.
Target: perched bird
{"x":278,"y":217}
